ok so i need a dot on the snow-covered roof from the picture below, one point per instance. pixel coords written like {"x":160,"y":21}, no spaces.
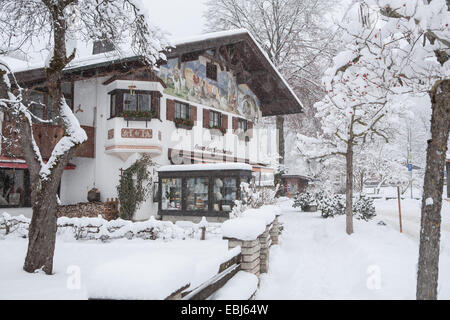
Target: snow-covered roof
{"x":206,"y":167}
{"x":86,"y":59}
{"x":228,"y":33}
{"x":209,"y":36}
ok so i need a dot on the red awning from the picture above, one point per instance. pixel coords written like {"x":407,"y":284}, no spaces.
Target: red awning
{"x":14,"y":163}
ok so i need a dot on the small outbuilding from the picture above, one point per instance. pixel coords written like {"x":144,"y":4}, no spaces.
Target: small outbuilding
{"x":193,"y":191}
{"x":293,"y":184}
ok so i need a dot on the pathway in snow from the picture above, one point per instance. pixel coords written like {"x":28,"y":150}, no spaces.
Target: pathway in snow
{"x":317,"y":260}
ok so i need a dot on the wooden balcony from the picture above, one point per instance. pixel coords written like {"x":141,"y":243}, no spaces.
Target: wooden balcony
{"x":46,"y":137}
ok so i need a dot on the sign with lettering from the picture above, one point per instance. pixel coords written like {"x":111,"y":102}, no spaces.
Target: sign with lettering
{"x":212,"y":149}
{"x":136,"y":133}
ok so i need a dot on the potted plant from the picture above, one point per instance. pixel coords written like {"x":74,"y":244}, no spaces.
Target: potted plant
{"x":184,"y":123}
{"x":138,"y":115}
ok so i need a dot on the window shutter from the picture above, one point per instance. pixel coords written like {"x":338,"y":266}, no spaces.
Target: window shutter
{"x":224,"y":121}
{"x":205,"y":118}
{"x":193,"y":113}
{"x":235,"y":123}
{"x":156,"y":103}
{"x":170,"y":110}
{"x":250,"y":129}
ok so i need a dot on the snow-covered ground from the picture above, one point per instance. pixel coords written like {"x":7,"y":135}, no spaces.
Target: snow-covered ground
{"x":317,"y":260}
{"x":86,"y":257}
{"x":314,"y":260}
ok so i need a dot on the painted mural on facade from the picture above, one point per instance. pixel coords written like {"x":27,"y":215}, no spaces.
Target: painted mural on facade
{"x":189,"y":82}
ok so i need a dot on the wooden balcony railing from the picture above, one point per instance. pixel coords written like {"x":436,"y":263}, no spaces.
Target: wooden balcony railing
{"x":46,"y":137}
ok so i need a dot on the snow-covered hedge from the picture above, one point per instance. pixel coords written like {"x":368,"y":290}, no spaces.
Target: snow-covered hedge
{"x":100,"y":229}
{"x":304,"y":200}
{"x":334,"y":204}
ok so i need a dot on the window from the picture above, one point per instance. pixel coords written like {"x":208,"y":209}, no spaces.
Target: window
{"x":197,"y":194}
{"x":242,"y":125}
{"x":225,"y":193}
{"x":181,"y":110}
{"x":36,"y":101}
{"x":15,"y":188}
{"x":144,"y":102}
{"x":211,"y":71}
{"x":113,"y":109}
{"x":122,"y":100}
{"x":214,"y":119}
{"x":40,"y":102}
{"x":67,"y":90}
{"x":171,"y":194}
{"x":129,"y":102}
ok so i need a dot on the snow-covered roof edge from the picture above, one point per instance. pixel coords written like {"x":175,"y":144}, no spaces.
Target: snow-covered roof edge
{"x":112,"y":56}
{"x":221,"y":34}
{"x":206,"y":167}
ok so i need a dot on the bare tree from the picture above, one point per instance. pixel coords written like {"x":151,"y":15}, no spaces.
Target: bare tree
{"x":59,"y":23}
{"x":291,"y":32}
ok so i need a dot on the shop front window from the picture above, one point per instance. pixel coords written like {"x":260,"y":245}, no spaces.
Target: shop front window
{"x":197,"y":194}
{"x":12,"y":188}
{"x":225,"y":193}
{"x":171,"y":194}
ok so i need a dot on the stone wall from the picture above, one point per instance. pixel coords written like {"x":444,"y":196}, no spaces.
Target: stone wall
{"x":255,"y":252}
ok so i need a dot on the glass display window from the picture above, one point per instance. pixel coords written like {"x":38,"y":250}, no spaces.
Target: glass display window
{"x":208,"y":193}
{"x":225,"y":193}
{"x":171,"y":194}
{"x":14,"y":188}
{"x":197,"y":191}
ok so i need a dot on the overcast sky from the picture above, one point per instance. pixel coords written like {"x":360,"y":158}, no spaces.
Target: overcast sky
{"x":182,"y":18}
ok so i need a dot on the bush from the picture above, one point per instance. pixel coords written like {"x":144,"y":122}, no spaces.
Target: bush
{"x":304,"y":200}
{"x":363,"y":208}
{"x":253,"y":197}
{"x":331,"y":206}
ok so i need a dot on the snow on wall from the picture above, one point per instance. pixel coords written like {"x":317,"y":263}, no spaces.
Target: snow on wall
{"x":246,"y":228}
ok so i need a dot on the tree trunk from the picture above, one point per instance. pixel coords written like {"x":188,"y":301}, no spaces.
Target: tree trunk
{"x":349,"y":188}
{"x":280,"y":129}
{"x":430,"y":229}
{"x":42,"y":233}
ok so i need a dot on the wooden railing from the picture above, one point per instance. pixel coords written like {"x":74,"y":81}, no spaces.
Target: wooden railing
{"x":46,"y":137}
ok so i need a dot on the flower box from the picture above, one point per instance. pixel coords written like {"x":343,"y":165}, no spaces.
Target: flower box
{"x":184,"y":123}
{"x":218,"y":131}
{"x":137,"y":118}
{"x":138,"y":115}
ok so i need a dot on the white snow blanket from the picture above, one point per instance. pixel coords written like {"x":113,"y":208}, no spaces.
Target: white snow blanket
{"x":241,"y":287}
